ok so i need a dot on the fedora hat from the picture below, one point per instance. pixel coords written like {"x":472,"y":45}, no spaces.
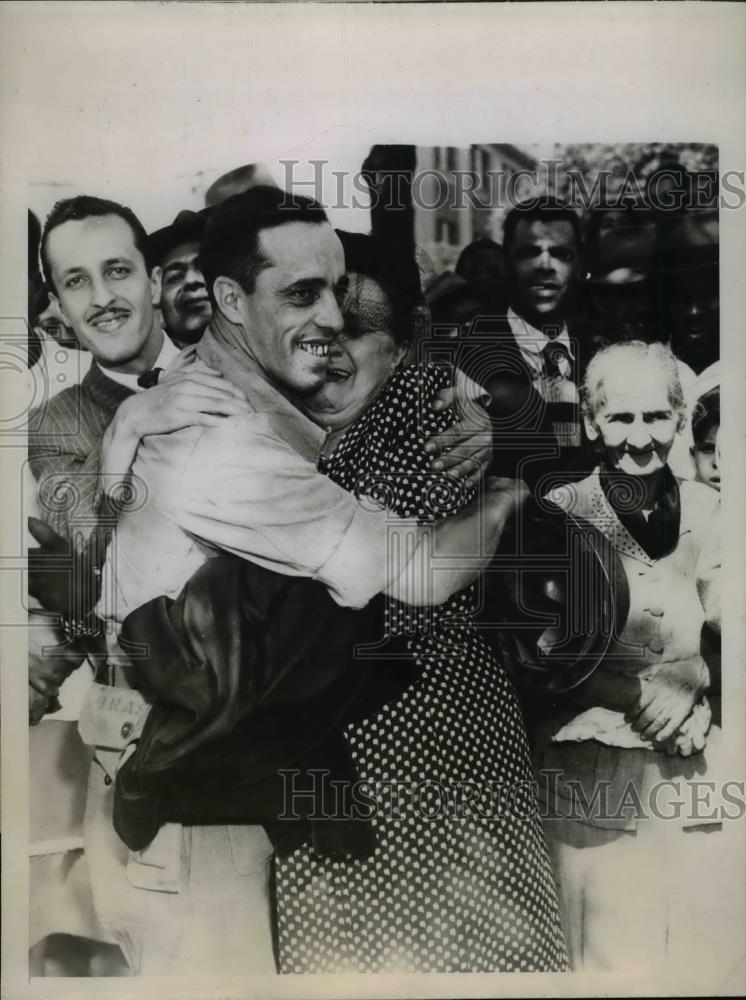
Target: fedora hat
{"x":186,"y":227}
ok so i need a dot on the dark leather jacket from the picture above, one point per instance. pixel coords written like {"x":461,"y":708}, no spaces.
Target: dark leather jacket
{"x":251,"y":673}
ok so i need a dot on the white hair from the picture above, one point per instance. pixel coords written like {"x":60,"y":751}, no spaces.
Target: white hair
{"x":607,"y":359}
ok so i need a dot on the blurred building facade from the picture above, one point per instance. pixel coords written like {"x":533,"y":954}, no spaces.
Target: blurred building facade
{"x":460,"y":195}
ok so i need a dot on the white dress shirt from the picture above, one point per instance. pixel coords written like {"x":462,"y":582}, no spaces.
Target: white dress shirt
{"x":531,"y":343}
{"x":168,"y":354}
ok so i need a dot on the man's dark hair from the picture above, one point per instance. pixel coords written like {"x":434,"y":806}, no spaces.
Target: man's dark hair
{"x":84,"y":206}
{"x":543,"y":209}
{"x":705,"y":415}
{"x":230,"y":242}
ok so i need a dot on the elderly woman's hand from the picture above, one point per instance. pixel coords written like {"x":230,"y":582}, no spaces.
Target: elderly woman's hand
{"x":669,"y":693}
{"x":464,"y":451}
{"x":691,"y":737}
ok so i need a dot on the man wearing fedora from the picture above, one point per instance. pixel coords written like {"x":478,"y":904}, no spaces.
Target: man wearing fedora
{"x":184,"y":303}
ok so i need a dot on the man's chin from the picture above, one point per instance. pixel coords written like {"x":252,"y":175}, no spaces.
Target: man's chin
{"x":542,"y":310}
{"x":307,"y":383}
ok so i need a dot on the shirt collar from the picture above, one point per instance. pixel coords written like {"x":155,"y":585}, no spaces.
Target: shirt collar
{"x":244,"y":373}
{"x":532,"y":340}
{"x":168,"y":353}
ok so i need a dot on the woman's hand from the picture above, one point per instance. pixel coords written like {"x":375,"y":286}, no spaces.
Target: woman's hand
{"x":691,"y":737}
{"x":464,"y":451}
{"x":669,"y":693}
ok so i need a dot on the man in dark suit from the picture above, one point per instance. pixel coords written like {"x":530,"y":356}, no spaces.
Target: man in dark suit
{"x":528,"y":352}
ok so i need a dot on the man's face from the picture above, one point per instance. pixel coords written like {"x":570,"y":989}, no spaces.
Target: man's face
{"x":705,"y":455}
{"x":485,"y":264}
{"x":184,"y":302}
{"x":293,"y":314}
{"x":542,"y":265}
{"x":103,"y":288}
{"x":694,"y":317}
{"x":636,"y":421}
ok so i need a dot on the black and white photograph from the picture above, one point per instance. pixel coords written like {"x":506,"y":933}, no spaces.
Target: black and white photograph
{"x":372,"y":546}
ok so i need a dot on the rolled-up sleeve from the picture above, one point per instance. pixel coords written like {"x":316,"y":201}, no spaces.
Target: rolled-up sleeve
{"x":247,"y":491}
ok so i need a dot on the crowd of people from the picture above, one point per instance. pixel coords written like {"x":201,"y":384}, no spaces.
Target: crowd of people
{"x":286,"y":534}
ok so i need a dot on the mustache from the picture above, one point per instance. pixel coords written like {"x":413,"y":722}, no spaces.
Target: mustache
{"x":109,"y":313}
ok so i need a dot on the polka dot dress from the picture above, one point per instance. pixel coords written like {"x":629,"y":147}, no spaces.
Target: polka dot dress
{"x":460,"y":880}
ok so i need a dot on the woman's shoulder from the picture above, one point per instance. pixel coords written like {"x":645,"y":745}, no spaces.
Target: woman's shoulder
{"x":423,"y":378}
{"x":410,"y":393}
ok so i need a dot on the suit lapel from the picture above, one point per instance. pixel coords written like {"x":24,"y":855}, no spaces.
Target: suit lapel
{"x":105,"y":392}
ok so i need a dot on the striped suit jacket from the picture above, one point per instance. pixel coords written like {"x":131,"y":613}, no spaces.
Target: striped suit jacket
{"x":64,"y":445}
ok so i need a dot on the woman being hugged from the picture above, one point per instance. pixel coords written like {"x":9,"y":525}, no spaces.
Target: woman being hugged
{"x":459,"y":880}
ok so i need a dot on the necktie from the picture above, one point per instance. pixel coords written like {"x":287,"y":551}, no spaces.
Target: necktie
{"x":559,"y":387}
{"x":557,"y":360}
{"x":148,"y":379}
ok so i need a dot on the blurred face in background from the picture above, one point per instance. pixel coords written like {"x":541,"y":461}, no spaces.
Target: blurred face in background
{"x":693,"y":316}
{"x":624,"y":309}
{"x":184,"y":301}
{"x":706,"y":457}
{"x":484,"y":264}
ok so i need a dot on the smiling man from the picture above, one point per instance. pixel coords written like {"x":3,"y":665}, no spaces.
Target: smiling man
{"x":542,"y":254}
{"x":95,"y":260}
{"x":184,"y":302}
{"x":528,"y":354}
{"x":275,"y":270}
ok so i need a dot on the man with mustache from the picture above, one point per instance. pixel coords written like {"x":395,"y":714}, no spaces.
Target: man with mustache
{"x":94,"y":257}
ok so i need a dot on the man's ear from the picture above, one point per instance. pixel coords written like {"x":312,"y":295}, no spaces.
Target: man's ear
{"x":228,"y":294}
{"x":590,"y":428}
{"x":55,"y":299}
{"x":155,"y":285}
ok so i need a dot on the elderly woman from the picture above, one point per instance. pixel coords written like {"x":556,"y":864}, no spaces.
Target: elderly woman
{"x":638,"y":856}
{"x":459,"y":880}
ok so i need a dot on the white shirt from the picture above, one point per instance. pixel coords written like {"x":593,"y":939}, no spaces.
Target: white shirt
{"x":168,"y":354}
{"x":531,"y":343}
